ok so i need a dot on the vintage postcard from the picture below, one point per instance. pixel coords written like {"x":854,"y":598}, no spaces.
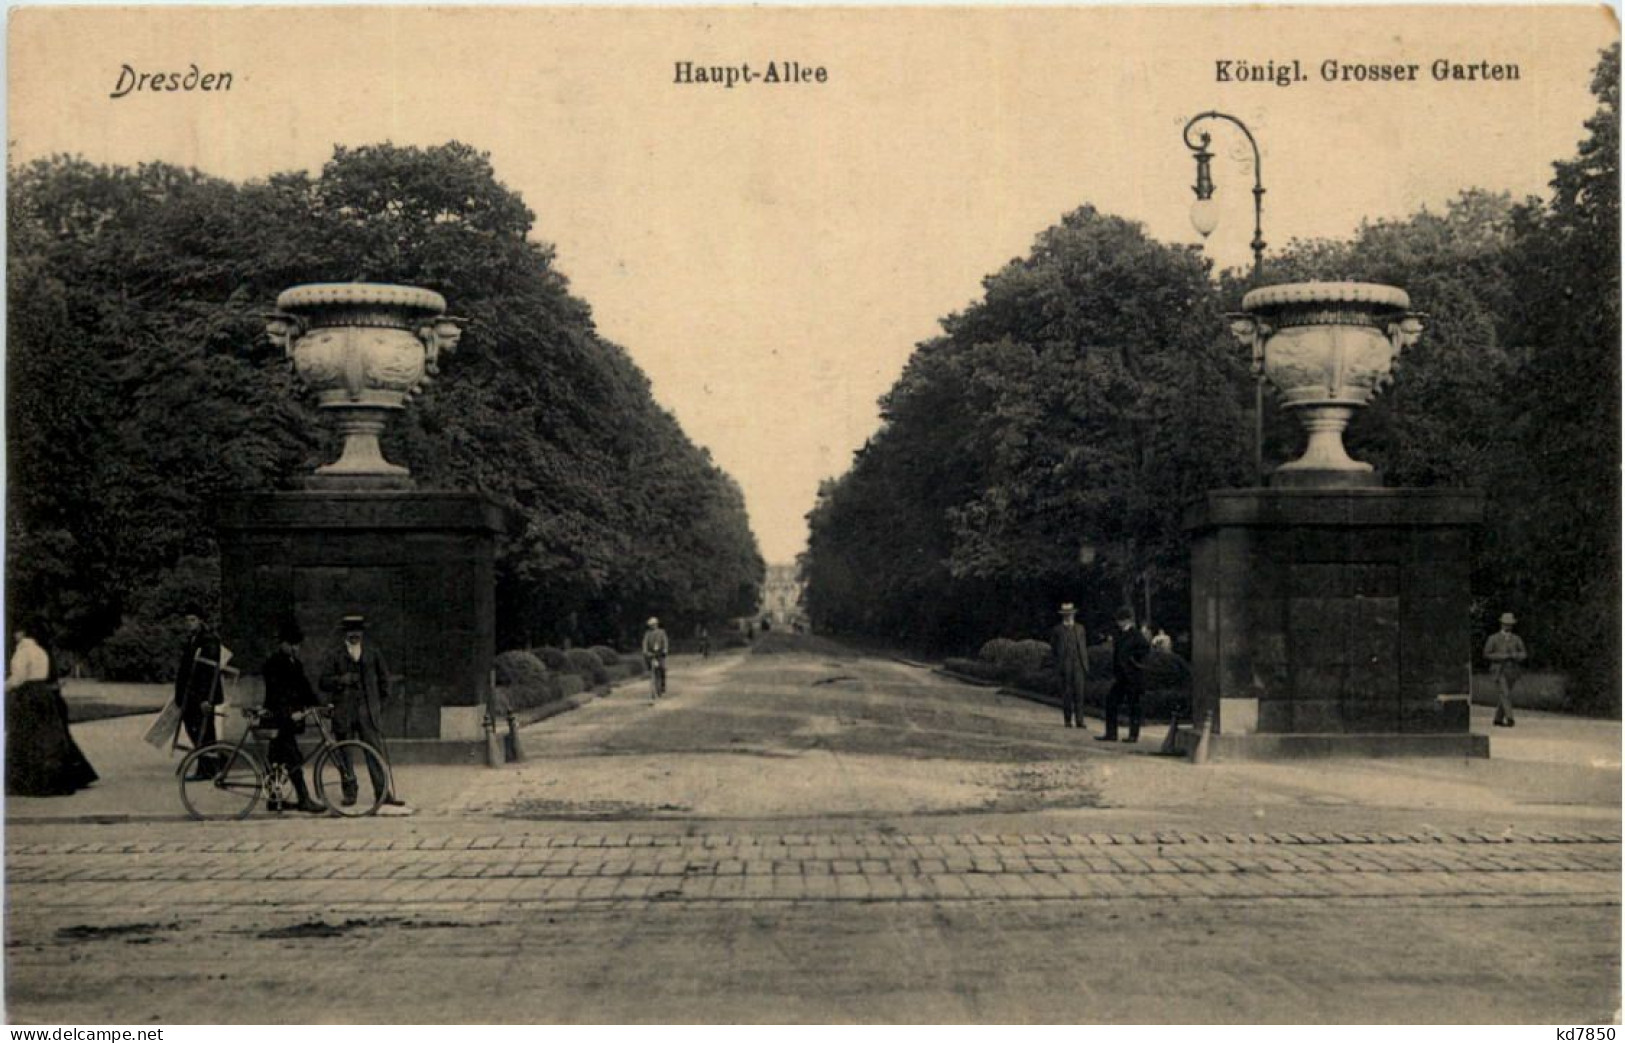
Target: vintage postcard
{"x":679,"y":514}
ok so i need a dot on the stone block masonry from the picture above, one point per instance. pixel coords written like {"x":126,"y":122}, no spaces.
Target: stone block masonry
{"x":1334,"y":612}
{"x":420,"y":565}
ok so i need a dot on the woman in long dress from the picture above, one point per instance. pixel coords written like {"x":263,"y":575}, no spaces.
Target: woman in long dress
{"x":42,"y":760}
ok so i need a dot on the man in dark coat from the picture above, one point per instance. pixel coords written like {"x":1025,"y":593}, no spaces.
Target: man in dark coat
{"x":288,"y":692}
{"x":1129,"y":650}
{"x":197,"y":679}
{"x":1071,"y":648}
{"x":356,"y":678}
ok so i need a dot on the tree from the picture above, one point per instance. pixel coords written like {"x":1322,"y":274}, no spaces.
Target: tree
{"x":1564,"y":546}
{"x":137,"y":306}
{"x":1075,"y":408}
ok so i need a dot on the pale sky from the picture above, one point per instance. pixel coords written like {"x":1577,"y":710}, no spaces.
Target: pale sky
{"x":770,"y":254}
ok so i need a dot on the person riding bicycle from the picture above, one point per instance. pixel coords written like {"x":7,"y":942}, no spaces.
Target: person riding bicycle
{"x":655,"y":647}
{"x":287,"y":695}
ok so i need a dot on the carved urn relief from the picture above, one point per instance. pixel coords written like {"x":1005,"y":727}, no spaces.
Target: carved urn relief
{"x":1326,"y":348}
{"x":364,"y":349}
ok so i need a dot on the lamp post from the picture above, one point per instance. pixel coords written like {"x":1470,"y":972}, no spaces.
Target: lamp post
{"x":1205,"y":218}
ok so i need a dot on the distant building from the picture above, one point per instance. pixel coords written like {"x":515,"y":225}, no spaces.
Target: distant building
{"x":781,"y":598}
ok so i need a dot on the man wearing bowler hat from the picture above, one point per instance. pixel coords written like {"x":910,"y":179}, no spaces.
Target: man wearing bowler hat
{"x":1506,"y":654}
{"x":1129,"y":649}
{"x":287,"y":697}
{"x":356,"y":678}
{"x":1071,"y":649}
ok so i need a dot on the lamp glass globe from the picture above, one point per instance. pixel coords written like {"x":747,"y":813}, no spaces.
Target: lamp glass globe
{"x":1204,"y":216}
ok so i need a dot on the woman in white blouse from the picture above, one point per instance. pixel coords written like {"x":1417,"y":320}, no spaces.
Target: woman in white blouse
{"x":28,"y":663}
{"x":42,"y":760}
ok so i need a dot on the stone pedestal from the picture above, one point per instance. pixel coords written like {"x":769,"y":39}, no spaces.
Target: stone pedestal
{"x":419,"y":565}
{"x":1333,"y":621}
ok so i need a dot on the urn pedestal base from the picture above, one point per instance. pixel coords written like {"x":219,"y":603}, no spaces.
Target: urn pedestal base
{"x":1314,"y":478}
{"x":419,"y":565}
{"x":357,"y":482}
{"x":1333,"y":621}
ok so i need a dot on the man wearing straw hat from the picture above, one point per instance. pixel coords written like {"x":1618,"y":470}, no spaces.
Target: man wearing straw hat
{"x":1071,"y":648}
{"x":356,"y":678}
{"x":1506,"y":654}
{"x":656,"y":646}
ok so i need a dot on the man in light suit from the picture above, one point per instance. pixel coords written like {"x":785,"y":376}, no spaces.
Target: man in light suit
{"x":356,"y":678}
{"x":655,"y":648}
{"x":1070,"y":647}
{"x":1506,"y":654}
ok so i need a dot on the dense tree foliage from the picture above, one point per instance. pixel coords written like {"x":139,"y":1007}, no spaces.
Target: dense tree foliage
{"x":1562,"y":537}
{"x":1092,"y":392}
{"x":1041,"y":449}
{"x":141,"y":388}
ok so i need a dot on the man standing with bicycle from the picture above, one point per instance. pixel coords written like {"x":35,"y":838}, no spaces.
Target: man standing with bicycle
{"x":356,"y":678}
{"x":655,"y":647}
{"x":287,"y":694}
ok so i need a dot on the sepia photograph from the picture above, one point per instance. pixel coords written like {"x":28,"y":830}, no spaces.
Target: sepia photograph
{"x":886,"y":515}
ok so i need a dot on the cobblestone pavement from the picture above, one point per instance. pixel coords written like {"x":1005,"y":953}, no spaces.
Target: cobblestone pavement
{"x":733,"y":926}
{"x":552,"y":868}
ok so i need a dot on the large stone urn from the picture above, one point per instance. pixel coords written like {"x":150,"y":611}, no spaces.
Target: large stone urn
{"x":365,"y":349}
{"x":1326,"y":348}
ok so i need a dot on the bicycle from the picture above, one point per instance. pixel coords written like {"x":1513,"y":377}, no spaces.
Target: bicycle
{"x":657,"y":677}
{"x":226,"y":780}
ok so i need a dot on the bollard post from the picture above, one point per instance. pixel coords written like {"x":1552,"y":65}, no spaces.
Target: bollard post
{"x":1170,"y":742}
{"x":495,"y":755}
{"x":516,"y":752}
{"x":1200,"y":754}
{"x":493,"y":746}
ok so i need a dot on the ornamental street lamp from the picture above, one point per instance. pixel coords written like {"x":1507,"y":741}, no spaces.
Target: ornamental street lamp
{"x":1205,"y":218}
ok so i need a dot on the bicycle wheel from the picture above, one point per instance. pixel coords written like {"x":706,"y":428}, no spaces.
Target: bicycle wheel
{"x":221,"y":781}
{"x":352,"y":778}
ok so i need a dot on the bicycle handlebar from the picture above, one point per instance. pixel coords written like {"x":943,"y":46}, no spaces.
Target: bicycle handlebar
{"x":259,"y":713}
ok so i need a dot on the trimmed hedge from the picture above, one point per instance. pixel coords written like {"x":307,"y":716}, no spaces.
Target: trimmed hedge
{"x":553,"y":658}
{"x":551,"y":690}
{"x":522,"y":682}
{"x":1019,"y":656}
{"x":606,"y":655}
{"x":519,"y":667}
{"x":996,"y":651}
{"x":512,"y":698}
{"x":582,"y":661}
